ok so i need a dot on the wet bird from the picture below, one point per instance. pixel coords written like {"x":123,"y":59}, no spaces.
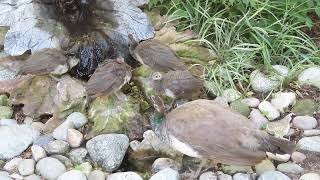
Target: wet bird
{"x":47,"y":61}
{"x":109,"y":78}
{"x":176,"y":85}
{"x":204,"y":129}
{"x":155,"y":55}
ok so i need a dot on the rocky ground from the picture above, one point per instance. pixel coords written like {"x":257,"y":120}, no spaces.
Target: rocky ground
{"x":48,"y":130}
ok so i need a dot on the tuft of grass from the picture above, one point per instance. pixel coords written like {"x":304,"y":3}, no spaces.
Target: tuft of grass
{"x":246,"y":34}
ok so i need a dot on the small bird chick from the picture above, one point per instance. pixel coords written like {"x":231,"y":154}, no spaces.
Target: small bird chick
{"x":176,"y":85}
{"x":47,"y":61}
{"x":155,"y":55}
{"x":109,"y":78}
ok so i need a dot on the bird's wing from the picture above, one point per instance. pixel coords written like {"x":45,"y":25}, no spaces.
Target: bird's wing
{"x":216,"y":132}
{"x":182,"y":83}
{"x":43,"y":62}
{"x":159,"y":56}
{"x":107,"y":79}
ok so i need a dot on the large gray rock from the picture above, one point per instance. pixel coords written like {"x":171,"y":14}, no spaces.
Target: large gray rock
{"x":15,"y":139}
{"x":310,"y":143}
{"x":73,"y":174}
{"x":50,"y":168}
{"x":108,"y":150}
{"x":168,"y":174}
{"x":125,"y":176}
{"x":273,"y":175}
{"x":310,"y":76}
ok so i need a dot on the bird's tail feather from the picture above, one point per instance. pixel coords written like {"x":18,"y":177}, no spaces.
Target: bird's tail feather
{"x":283,"y":145}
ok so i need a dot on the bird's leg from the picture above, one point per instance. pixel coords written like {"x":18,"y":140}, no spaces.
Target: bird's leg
{"x":171,"y":106}
{"x":120,"y":95}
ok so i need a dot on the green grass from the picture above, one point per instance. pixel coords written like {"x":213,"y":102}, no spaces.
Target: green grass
{"x":245,"y":35}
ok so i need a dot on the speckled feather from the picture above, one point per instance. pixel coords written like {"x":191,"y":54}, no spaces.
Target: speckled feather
{"x":181,"y":83}
{"x":157,"y":56}
{"x":220,"y":134}
{"x":43,"y":62}
{"x":108,"y":78}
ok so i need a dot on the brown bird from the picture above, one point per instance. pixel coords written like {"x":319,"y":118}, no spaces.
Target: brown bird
{"x":47,"y":61}
{"x":204,"y":129}
{"x":109,"y":78}
{"x":176,"y":84}
{"x":155,"y":55}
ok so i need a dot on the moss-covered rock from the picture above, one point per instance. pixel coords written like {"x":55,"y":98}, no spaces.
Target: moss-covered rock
{"x":305,"y":107}
{"x":112,"y":115}
{"x":3,"y":100}
{"x":241,"y":108}
{"x":5,"y":112}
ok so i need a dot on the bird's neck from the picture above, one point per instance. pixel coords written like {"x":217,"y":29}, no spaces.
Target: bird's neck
{"x":157,"y":121}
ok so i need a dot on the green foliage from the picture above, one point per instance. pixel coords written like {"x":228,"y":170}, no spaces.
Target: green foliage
{"x":247,"y":34}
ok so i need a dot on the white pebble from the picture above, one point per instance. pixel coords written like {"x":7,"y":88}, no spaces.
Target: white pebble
{"x":78,"y":119}
{"x":269,"y":110}
{"x":97,"y":175}
{"x":310,"y":176}
{"x":124,"y":176}
{"x":251,"y":102}
{"x":74,"y":138}
{"x":298,"y":157}
{"x":311,"y":132}
{"x":33,"y":177}
{"x":73,"y":175}
{"x":16,"y":176}
{"x":61,"y":132}
{"x":282,"y":101}
{"x":26,"y":167}
{"x":208,"y":176}
{"x":38,"y":152}
{"x":305,"y":122}
{"x":12,"y":165}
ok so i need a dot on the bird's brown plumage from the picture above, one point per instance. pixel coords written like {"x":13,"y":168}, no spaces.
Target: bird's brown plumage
{"x":181,"y":83}
{"x":220,"y":134}
{"x":44,"y":62}
{"x":108,"y":78}
{"x":157,"y":56}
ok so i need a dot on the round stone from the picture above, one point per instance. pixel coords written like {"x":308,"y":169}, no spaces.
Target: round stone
{"x":74,"y":138}
{"x":290,"y":168}
{"x":73,"y":174}
{"x":38,"y":152}
{"x":310,"y":176}
{"x":298,"y":157}
{"x":26,"y":167}
{"x":108,"y":150}
{"x":12,"y":165}
{"x":125,"y":176}
{"x":61,"y":132}
{"x":162,"y":163}
{"x":50,"y":168}
{"x":167,"y":173}
{"x":97,"y":175}
{"x":78,"y":119}
{"x":241,"y":176}
{"x":208,"y":176}
{"x":32,"y":177}
{"x":305,"y":122}
{"x":57,"y":147}
{"x":310,"y":143}
{"x":78,"y":155}
{"x":273,"y":175}
{"x":269,"y":110}
{"x":264,"y":166}
{"x":251,"y":102}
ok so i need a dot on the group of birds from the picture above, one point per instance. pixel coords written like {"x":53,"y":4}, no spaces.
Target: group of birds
{"x":199,"y":128}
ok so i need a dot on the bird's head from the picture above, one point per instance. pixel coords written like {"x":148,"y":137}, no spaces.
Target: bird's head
{"x":156,"y":76}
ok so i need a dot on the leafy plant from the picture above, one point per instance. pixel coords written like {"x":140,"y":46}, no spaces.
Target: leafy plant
{"x":247,"y":34}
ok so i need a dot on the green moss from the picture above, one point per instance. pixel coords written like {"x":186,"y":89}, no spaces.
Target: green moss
{"x":305,"y":107}
{"x":5,"y":112}
{"x":241,"y":108}
{"x":3,"y":100}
